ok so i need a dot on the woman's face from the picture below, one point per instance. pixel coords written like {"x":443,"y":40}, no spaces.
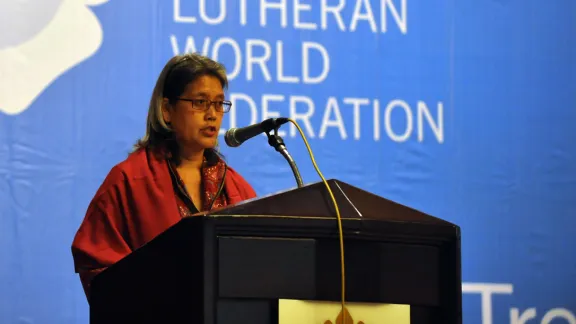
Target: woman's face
{"x":196,"y":127}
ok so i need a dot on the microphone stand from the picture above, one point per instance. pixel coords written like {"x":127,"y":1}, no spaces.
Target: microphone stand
{"x":278,"y":143}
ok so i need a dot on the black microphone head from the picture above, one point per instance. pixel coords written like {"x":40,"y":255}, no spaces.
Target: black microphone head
{"x":230,"y":139}
{"x":234,"y":137}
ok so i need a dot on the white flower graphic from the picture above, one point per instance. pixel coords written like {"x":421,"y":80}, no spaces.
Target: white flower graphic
{"x":40,"y":40}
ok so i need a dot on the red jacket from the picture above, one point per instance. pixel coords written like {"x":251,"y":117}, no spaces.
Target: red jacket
{"x":134,"y":204}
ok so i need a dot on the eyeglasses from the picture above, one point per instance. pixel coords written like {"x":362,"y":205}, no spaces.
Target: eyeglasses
{"x":204,"y":104}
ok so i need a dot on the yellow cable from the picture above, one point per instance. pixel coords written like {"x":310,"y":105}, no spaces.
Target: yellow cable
{"x":340,"y":232}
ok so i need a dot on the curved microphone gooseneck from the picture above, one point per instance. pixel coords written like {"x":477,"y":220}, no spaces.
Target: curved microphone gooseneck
{"x":278,"y":143}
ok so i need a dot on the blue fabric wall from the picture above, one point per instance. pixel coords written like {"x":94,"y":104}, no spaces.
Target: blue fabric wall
{"x":462,"y":109}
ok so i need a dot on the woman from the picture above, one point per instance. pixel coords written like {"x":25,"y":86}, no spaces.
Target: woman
{"x":174,"y":171}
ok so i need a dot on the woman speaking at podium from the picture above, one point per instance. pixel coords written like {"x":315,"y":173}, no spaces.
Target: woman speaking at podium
{"x":174,"y":171}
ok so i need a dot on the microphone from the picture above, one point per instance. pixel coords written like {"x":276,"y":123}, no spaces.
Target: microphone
{"x":234,"y":137}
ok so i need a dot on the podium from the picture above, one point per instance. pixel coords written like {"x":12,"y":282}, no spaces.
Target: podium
{"x":233,"y":265}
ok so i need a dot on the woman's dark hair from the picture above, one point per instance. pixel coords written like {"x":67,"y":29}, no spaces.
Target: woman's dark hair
{"x":178,"y":72}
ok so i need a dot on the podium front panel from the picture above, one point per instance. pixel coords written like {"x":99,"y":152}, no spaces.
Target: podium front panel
{"x":309,"y":269}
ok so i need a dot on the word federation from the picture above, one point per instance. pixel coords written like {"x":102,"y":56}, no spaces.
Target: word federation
{"x":349,"y":117}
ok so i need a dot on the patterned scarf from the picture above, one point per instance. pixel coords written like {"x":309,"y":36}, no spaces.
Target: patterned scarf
{"x":212,"y":184}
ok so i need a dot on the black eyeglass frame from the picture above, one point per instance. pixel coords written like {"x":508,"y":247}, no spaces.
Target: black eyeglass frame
{"x":224,"y":104}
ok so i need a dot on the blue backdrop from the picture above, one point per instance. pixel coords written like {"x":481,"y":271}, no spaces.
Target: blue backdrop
{"x":461,"y":109}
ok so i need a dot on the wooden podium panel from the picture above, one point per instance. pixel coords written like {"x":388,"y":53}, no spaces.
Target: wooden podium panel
{"x":235,"y":265}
